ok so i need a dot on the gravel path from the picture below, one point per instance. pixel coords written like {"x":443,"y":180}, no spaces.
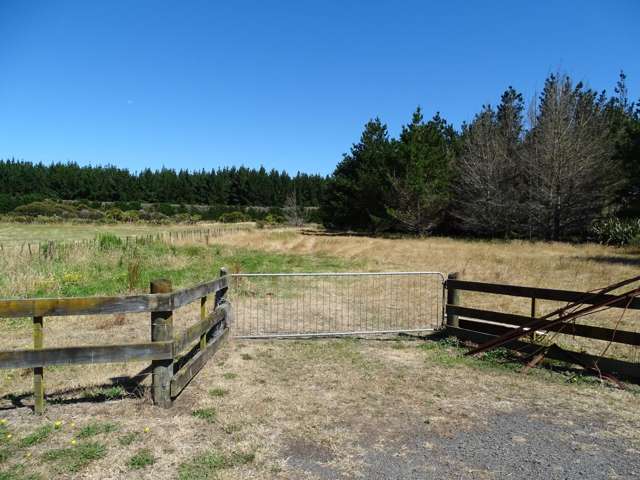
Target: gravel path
{"x":513,"y":446}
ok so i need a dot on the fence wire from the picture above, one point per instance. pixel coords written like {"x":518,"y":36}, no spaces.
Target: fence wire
{"x":307,"y":304}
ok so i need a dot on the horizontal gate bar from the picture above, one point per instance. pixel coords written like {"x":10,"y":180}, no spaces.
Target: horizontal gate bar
{"x":334,"y":274}
{"x":333,"y":334}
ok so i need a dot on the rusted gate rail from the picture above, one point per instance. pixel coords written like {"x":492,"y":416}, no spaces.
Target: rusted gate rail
{"x":175,"y":358}
{"x":480,"y":325}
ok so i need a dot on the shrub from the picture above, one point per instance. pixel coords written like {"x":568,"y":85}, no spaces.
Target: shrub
{"x":90,"y":214}
{"x":114,"y":214}
{"x":46,"y":208}
{"x":274,"y":218}
{"x":616,"y":231}
{"x":234,"y":217}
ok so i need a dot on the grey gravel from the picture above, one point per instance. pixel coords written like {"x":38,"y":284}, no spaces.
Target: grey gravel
{"x":513,"y":445}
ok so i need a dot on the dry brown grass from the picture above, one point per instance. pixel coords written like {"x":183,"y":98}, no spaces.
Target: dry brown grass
{"x":580,"y":267}
{"x":331,"y":403}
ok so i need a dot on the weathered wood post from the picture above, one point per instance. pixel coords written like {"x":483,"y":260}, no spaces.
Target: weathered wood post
{"x":203,"y":315}
{"x":162,"y":330}
{"x":220,"y":293}
{"x":453,"y":298}
{"x":38,"y":372}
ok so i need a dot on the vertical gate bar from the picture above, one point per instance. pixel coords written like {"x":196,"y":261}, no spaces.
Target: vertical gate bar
{"x":38,"y":372}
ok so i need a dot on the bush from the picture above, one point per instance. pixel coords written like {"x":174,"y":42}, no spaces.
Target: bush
{"x":46,"y":208}
{"x":616,"y":231}
{"x":234,"y":217}
{"x":114,"y":214}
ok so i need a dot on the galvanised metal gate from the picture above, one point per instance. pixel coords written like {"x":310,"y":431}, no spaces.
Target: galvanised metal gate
{"x":316,"y":304}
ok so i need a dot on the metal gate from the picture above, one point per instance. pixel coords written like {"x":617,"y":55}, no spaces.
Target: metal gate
{"x":316,"y":304}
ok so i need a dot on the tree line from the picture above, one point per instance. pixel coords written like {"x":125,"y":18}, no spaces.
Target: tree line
{"x":25,"y":182}
{"x":546,"y":172}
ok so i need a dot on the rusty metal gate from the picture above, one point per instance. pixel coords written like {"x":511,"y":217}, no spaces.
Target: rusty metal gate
{"x":346,"y":303}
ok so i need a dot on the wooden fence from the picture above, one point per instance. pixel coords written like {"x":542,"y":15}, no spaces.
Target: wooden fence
{"x":48,"y":249}
{"x":175,"y":358}
{"x":479,"y":325}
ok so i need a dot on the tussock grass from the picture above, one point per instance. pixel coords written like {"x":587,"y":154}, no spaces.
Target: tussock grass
{"x":142,"y":459}
{"x":75,"y":458}
{"x":206,"y":414}
{"x":206,"y":465}
{"x":97,"y":428}
{"x":218,"y":392}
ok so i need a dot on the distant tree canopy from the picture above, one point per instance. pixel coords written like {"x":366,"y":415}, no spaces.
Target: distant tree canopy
{"x":551,"y":174}
{"x":229,"y":186}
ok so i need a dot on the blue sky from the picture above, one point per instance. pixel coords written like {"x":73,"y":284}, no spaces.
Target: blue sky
{"x":287,"y":85}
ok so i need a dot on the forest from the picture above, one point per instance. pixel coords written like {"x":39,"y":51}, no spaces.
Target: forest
{"x":565,"y":168}
{"x":25,"y":182}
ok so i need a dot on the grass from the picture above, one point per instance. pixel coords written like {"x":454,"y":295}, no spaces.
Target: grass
{"x":17,"y":472}
{"x":105,"y":393}
{"x":206,"y":466}
{"x":129,"y":438}
{"x":218,"y":392}
{"x":75,"y":458}
{"x":97,"y":428}
{"x":142,"y":459}
{"x":118,"y":268}
{"x":229,"y":376}
{"x":206,"y":414}
{"x":36,"y":437}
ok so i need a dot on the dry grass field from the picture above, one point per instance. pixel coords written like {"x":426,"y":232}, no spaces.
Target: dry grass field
{"x":387,"y":408}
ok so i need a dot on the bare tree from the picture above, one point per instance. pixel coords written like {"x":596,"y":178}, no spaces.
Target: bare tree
{"x":488,"y":189}
{"x":569,"y":160}
{"x":293,"y":213}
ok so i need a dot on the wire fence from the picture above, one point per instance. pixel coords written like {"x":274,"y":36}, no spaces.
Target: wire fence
{"x":308,"y":304}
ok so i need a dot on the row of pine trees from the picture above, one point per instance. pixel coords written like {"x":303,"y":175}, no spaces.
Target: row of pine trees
{"x":547,"y":171}
{"x":23,"y":182}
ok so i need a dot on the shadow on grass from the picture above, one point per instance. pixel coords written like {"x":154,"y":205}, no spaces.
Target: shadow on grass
{"x":117,"y":389}
{"x":632,"y":261}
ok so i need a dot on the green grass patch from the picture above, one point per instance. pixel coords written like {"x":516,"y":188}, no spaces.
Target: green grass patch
{"x":207,"y":465}
{"x":75,"y":458}
{"x":117,"y":268}
{"x":96,"y":428}
{"x":129,"y":438}
{"x":5,"y":454}
{"x":18,"y":472}
{"x":206,"y":414}
{"x":106,"y":393}
{"x":246,"y":356}
{"x":218,"y":392}
{"x":229,"y":376}
{"x":142,"y":459}
{"x":37,"y":436}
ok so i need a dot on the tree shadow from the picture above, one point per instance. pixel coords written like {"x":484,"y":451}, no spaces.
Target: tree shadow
{"x":614,"y":260}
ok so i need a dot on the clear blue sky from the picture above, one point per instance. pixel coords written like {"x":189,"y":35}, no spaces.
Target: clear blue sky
{"x":287,"y":85}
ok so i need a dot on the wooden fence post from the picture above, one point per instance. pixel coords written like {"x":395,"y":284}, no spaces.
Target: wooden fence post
{"x":453,"y":298}
{"x":38,"y":372}
{"x":162,"y":330}
{"x":220,"y":293}
{"x":203,"y":315}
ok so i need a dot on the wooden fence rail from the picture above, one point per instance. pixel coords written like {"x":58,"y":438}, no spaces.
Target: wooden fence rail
{"x":172,"y":367}
{"x":480,"y":325}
